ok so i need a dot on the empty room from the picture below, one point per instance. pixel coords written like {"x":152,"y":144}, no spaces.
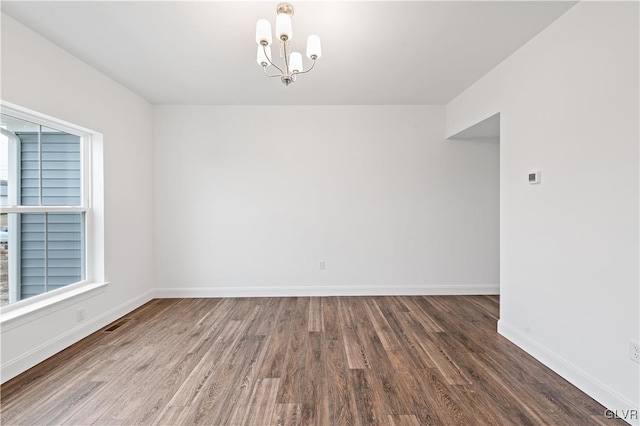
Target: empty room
{"x":320,"y":213}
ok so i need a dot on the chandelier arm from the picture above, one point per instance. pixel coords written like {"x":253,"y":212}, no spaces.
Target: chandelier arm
{"x":286,"y":58}
{"x":264,"y":68}
{"x":313,"y":63}
{"x":268,"y":59}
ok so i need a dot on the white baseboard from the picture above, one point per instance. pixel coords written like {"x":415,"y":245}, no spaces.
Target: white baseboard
{"x":21,"y":364}
{"x":568,"y":371}
{"x":290,"y":291}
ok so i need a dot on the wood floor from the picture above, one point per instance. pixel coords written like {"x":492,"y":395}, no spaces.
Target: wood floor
{"x":285,"y":361}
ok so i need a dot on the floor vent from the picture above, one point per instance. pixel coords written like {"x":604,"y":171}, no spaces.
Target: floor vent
{"x":116,"y":325}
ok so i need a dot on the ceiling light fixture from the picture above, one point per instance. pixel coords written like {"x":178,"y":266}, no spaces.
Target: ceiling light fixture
{"x":292,"y":60}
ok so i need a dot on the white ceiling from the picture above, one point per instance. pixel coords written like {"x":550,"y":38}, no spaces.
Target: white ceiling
{"x":374,"y":53}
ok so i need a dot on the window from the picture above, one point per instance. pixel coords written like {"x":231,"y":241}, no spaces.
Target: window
{"x":46,"y":219}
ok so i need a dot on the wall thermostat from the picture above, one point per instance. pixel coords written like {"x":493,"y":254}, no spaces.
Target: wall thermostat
{"x":534,"y":177}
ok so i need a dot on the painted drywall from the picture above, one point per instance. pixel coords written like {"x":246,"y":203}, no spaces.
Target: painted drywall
{"x":568,"y":104}
{"x":40,"y":76}
{"x":249,"y":199}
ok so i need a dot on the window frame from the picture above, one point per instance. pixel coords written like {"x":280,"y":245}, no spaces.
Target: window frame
{"x":91,"y":193}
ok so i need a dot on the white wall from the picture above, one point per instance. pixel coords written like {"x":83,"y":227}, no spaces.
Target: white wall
{"x":568,"y":104}
{"x":248,"y":199}
{"x":40,"y":76}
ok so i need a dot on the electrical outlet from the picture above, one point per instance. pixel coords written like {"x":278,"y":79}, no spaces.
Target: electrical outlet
{"x":634,"y":351}
{"x":80,"y":315}
{"x":321,"y":265}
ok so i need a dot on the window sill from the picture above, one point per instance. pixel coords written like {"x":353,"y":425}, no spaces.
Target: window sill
{"x":13,"y":316}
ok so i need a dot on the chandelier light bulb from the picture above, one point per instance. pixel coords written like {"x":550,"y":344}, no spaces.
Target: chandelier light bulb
{"x":314,"y":50}
{"x":295,"y":62}
{"x":284,"y":30}
{"x":263,"y":32}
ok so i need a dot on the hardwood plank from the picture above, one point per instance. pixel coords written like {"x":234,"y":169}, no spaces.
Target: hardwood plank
{"x":396,"y":301}
{"x":263,"y":402}
{"x":367,"y":410}
{"x":151,"y":404}
{"x":234,"y":410}
{"x":382,"y":328}
{"x":426,"y":406}
{"x":390,"y":394}
{"x":199,"y":375}
{"x":293,"y":372}
{"x":38,"y":384}
{"x":413,"y":338}
{"x":77,"y":360}
{"x":331,"y":318}
{"x":419,"y":318}
{"x":122,"y":385}
{"x":315,"y":314}
{"x":484,"y":413}
{"x":353,"y":346}
{"x":60,"y":404}
{"x":403,"y":420}
{"x":422,"y":398}
{"x":448,"y":404}
{"x":490,"y":305}
{"x":406,"y":346}
{"x":506,"y":400}
{"x":210,"y":325}
{"x":256,"y":320}
{"x":286,"y":415}
{"x":314,"y":399}
{"x":340,"y":394}
{"x":170,"y":416}
{"x":279,"y":339}
{"x":442,"y":359}
{"x":243,"y":307}
{"x":228,"y":383}
{"x":274,"y":308}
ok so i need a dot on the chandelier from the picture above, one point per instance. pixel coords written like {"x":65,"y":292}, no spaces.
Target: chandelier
{"x":292,"y":60}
